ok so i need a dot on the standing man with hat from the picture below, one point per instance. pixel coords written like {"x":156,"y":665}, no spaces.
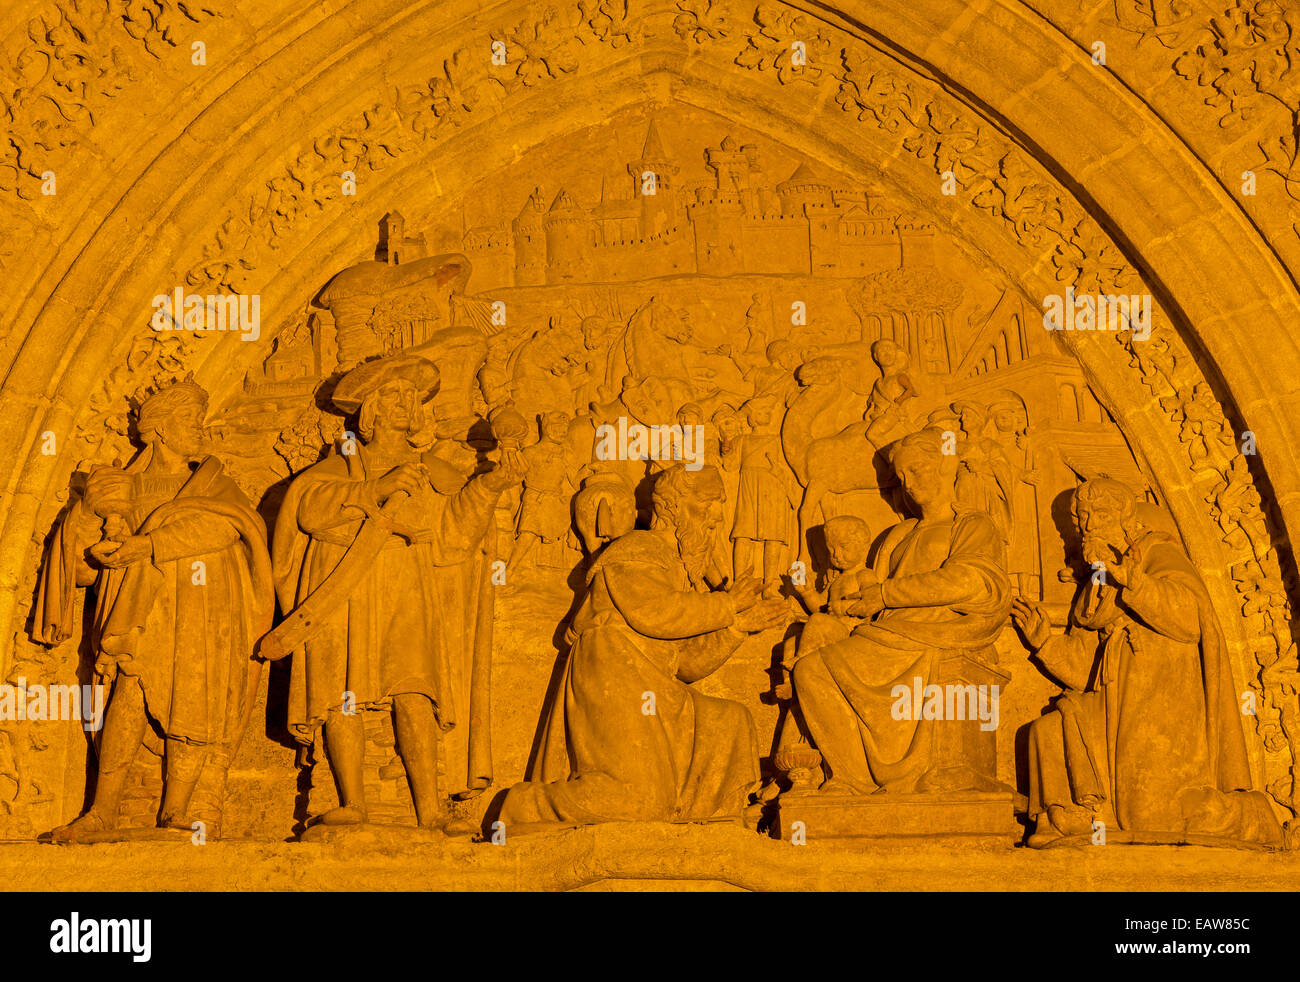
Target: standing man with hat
{"x":364,"y":544}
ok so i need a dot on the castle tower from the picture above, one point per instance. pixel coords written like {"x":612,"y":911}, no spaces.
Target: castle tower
{"x":804,"y":189}
{"x":654,"y":179}
{"x":917,"y":244}
{"x":808,"y":195}
{"x":530,"y":241}
{"x":569,"y":233}
{"x":731,"y":166}
{"x":394,"y":244}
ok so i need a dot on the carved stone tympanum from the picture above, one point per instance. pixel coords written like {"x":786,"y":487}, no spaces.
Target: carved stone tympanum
{"x":730,"y":423}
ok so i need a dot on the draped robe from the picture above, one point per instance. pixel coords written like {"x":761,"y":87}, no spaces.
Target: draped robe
{"x":642,"y":630}
{"x":1148,"y":731}
{"x":945,"y":590}
{"x":185,"y":631}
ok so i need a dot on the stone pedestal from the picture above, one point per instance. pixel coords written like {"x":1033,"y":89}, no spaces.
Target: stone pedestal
{"x":961,"y":815}
{"x":965,"y":743}
{"x":628,"y":856}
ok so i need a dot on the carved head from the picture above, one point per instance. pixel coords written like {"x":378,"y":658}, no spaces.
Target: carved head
{"x":728,"y":424}
{"x":669,"y":321}
{"x":1009,"y":416}
{"x":927,"y":474}
{"x":393,"y":406}
{"x":783,"y":354}
{"x":545,"y":352}
{"x":943,"y":420}
{"x":848,"y":539}
{"x":889,"y":356}
{"x":173,"y":416}
{"x":690,"y":414}
{"x":596,"y":332}
{"x":555,"y":425}
{"x":1105,"y":512}
{"x":690,"y":503}
{"x":758,"y":412}
{"x":972,"y":416}
{"x":603,"y":510}
{"x":388,"y":394}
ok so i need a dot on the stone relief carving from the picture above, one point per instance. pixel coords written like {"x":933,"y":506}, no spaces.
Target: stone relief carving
{"x":182,"y":581}
{"x":408,"y":504}
{"x":626,"y":736}
{"x":1140,"y":634}
{"x":1242,"y":59}
{"x":69,"y":61}
{"x":820,"y":447}
{"x":354,"y":529}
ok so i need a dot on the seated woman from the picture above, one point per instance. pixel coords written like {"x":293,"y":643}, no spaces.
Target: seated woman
{"x":942,"y":589}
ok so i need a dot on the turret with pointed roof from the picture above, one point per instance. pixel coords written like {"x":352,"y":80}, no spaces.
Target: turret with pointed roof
{"x":530,"y":241}
{"x":568,"y":239}
{"x":805,"y":188}
{"x":654,"y":158}
{"x":654,"y":179}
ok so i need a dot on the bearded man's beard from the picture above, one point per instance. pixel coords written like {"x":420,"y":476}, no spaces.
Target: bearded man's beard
{"x":1103,"y":547}
{"x":695,"y":546}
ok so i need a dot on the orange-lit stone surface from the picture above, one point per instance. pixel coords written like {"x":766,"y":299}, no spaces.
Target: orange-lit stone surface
{"x":669,"y":444}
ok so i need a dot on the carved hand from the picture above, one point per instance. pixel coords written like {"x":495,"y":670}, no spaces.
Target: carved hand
{"x":761,"y":616}
{"x":746,"y":592}
{"x":108,"y":490}
{"x":1129,"y":568}
{"x":115,"y":555}
{"x":842,"y":605}
{"x":1032,"y":621}
{"x":868,"y":606}
{"x":104,"y":666}
{"x":404,"y":477}
{"x":506,"y":474}
{"x":812,"y":600}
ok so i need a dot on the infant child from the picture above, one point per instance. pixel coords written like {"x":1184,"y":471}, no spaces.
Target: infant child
{"x":848,"y":540}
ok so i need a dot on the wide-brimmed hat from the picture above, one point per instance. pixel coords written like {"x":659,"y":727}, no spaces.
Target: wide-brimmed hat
{"x":372,"y":375}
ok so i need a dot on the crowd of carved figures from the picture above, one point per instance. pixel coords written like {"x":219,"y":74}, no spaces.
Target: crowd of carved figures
{"x":825,"y":498}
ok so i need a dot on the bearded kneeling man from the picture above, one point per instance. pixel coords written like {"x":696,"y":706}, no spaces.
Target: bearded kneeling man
{"x":625,"y":737}
{"x":1145,"y":744}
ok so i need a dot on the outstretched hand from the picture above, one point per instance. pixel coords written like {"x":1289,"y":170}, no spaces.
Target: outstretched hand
{"x":1032,"y":620}
{"x":509,"y":472}
{"x":746,"y":592}
{"x":772,"y":612}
